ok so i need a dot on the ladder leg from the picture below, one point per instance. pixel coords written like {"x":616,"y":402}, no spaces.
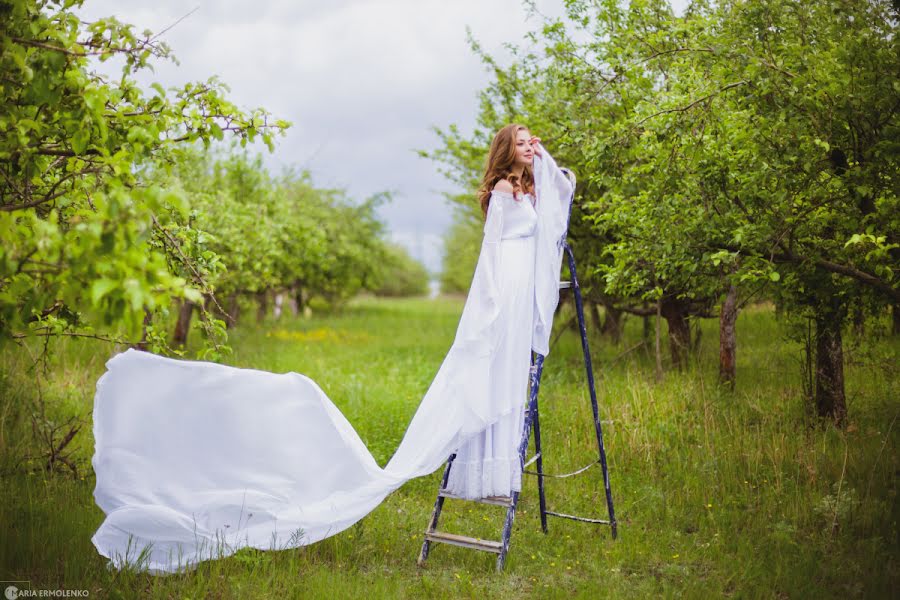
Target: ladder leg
{"x":436,"y":513}
{"x":507,"y":530}
{"x":538,"y":361}
{"x":534,"y":376}
{"x":579,"y":307}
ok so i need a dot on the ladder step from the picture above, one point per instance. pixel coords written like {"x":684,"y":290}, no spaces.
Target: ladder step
{"x":533,"y":458}
{"x":564,"y":475}
{"x":464,"y":541}
{"x":494,"y":500}
{"x":574,"y":518}
{"x":565,"y":284}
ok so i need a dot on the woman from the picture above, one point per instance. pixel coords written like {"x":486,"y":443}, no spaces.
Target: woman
{"x":195,"y":460}
{"x":489,"y":465}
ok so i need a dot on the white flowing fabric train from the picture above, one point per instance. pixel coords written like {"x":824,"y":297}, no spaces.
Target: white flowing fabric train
{"x":195,"y":460}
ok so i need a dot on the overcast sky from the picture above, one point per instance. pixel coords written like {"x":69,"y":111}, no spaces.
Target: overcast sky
{"x":362,"y":81}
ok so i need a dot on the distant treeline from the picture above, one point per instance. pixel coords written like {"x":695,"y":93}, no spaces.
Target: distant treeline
{"x":276,"y":242}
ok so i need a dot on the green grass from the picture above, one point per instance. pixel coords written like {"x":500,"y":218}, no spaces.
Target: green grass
{"x":717,"y":494}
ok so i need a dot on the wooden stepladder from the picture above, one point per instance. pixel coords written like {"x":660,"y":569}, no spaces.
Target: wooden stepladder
{"x":501,"y":547}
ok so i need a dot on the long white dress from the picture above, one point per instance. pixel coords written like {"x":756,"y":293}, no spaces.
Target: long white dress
{"x":488,"y":464}
{"x":195,"y":460}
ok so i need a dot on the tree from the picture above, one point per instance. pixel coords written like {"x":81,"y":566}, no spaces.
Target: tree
{"x":743,"y":147}
{"x":401,"y":274}
{"x":259,"y":236}
{"x":85,"y":243}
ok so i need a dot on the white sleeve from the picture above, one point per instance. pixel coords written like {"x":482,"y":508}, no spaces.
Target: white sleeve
{"x":554,"y":200}
{"x":483,"y":301}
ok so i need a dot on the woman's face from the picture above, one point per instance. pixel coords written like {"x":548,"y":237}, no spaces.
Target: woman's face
{"x":524,"y":152}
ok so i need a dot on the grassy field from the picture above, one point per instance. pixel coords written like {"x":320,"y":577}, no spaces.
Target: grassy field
{"x":717,"y":494}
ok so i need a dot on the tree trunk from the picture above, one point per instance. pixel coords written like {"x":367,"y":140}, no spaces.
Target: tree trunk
{"x":612,"y":323}
{"x":727,"y":339}
{"x":292,"y":301}
{"x":647,"y":327}
{"x":595,"y":316}
{"x":299,"y":300}
{"x":859,"y":321}
{"x":231,"y":319}
{"x":262,"y":306}
{"x":697,"y":336}
{"x":895,"y":314}
{"x":183,"y":325}
{"x":278,"y":304}
{"x":676,"y":315}
{"x":148,"y":319}
{"x":658,"y":352}
{"x":830,"y":399}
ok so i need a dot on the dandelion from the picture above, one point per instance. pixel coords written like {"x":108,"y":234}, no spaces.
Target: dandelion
{"x":674,"y":556}
{"x":709,"y":506}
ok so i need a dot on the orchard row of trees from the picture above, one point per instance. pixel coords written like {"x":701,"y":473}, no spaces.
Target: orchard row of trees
{"x":275,"y":241}
{"x":747,"y":149}
{"x":114,"y":211}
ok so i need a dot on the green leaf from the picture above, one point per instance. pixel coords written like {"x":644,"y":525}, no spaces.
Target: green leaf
{"x":100,"y":288}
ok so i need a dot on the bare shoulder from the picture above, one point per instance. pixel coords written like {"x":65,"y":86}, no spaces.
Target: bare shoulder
{"x":503,"y":186}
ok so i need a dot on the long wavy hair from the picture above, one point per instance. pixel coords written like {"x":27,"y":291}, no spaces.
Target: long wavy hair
{"x":499,"y":165}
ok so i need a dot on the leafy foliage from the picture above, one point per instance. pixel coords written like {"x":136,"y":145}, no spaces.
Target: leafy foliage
{"x":402,"y":275}
{"x":749,"y":143}
{"x":113,"y":203}
{"x":85,"y":246}
{"x":461,"y":247}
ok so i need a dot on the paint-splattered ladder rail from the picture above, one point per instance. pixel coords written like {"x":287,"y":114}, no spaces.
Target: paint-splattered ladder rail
{"x":501,"y":547}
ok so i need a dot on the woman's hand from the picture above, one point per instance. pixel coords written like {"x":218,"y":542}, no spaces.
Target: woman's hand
{"x":534,"y":141}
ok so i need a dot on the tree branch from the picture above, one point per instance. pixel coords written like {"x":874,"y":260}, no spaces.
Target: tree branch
{"x":847,"y":270}
{"x":692,"y":104}
{"x":189,"y":264}
{"x":102,"y":338}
